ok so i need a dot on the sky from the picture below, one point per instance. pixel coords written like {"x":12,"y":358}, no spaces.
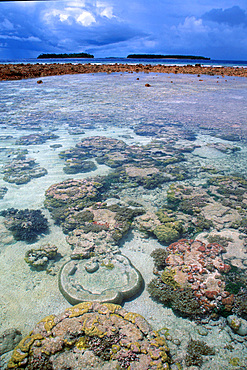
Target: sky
{"x":115,"y":28}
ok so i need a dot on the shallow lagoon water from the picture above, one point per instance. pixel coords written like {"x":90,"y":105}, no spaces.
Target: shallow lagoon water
{"x":113,"y":105}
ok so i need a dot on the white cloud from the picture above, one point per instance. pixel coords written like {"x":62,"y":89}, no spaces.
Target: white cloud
{"x":17,"y":38}
{"x":107,"y":12}
{"x":63,"y":17}
{"x":86,"y":18}
{"x":33,"y":38}
{"x":104,"y":10}
{"x":6,"y":25}
{"x":191,"y":24}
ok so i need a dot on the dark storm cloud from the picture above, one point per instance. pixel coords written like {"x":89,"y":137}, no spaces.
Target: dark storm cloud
{"x":122,"y":27}
{"x":232,"y":16}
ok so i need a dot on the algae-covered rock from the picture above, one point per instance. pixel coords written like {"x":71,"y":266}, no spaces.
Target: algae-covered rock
{"x":92,"y":335}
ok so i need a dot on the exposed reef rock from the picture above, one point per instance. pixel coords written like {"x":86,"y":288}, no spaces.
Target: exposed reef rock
{"x":25,"y":224}
{"x":194,"y":281}
{"x":92,"y":335}
{"x":20,"y":71}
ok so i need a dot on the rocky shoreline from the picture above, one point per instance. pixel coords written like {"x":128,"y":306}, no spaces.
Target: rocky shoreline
{"x":23,"y":71}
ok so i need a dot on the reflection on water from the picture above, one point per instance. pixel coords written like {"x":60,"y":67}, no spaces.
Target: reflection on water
{"x":95,"y":166}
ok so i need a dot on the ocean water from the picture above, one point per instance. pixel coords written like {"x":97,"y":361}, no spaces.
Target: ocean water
{"x":113,"y":60}
{"x":192,"y":110}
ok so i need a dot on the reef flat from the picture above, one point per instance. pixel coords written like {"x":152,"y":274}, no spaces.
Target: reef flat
{"x":126,"y":195}
{"x":21,"y":71}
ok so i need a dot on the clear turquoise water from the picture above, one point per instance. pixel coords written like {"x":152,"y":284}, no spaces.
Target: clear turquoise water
{"x":114,"y":104}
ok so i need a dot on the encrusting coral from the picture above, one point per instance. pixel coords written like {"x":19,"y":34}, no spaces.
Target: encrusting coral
{"x":91,"y":335}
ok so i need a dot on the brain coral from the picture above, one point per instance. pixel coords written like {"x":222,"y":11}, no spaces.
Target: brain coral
{"x":92,"y":335}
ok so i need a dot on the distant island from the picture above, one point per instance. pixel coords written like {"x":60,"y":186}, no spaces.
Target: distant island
{"x":73,"y":55}
{"x":158,"y":56}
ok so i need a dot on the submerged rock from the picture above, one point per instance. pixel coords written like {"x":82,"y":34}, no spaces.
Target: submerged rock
{"x":102,"y":280}
{"x":237,"y":324}
{"x":3,"y":191}
{"x":34,"y":139}
{"x":39,"y":258}
{"x":9,"y":340}
{"x":25,"y":224}
{"x":21,"y":171}
{"x":92,"y":335}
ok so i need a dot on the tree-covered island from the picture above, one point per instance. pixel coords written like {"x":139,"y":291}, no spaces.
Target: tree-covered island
{"x":158,"y":56}
{"x":73,"y":55}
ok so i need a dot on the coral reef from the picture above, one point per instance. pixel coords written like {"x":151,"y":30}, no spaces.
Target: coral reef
{"x":3,"y":191}
{"x":195,"y":351}
{"x":160,"y":255}
{"x":193,"y":280}
{"x":77,"y":165}
{"x":39,"y":258}
{"x":69,"y":195}
{"x":95,"y":334}
{"x":25,"y":224}
{"x":34,"y":139}
{"x":22,"y":170}
{"x":240,"y":303}
{"x":148,"y":166}
{"x":164,"y":225}
{"x":219,"y":204}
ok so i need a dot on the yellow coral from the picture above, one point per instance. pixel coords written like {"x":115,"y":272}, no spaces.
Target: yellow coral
{"x":115,"y":348}
{"x":21,"y":351}
{"x":111,"y":307}
{"x":234,"y":361}
{"x":131,"y":316}
{"x":168,"y":278}
{"x":48,"y":322}
{"x":92,"y":329}
{"x":79,"y":309}
{"x":81,"y":344}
